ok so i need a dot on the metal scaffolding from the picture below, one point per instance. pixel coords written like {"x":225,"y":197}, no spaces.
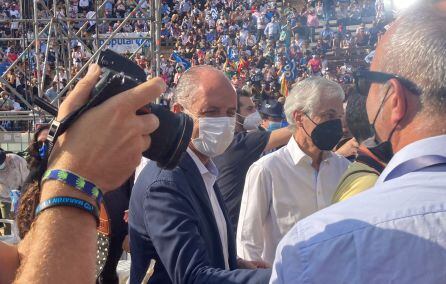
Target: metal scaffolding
{"x":55,"y":31}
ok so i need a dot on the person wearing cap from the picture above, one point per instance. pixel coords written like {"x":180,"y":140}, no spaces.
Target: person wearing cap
{"x":13,"y":173}
{"x":249,"y":142}
{"x":300,"y":178}
{"x":272,"y":115}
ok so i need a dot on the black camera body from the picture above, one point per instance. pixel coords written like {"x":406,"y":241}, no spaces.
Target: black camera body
{"x":171,"y":139}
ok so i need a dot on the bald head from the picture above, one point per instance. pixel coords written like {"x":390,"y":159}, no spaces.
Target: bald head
{"x":201,"y":80}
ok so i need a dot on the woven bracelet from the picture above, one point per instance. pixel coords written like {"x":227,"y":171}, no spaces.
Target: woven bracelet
{"x":76,"y":182}
{"x":68,"y":202}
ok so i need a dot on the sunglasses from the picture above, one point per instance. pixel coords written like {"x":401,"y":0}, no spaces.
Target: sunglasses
{"x":363,"y":80}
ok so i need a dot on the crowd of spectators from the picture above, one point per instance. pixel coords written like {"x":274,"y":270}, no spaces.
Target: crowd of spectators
{"x":262,"y":46}
{"x":265,"y":46}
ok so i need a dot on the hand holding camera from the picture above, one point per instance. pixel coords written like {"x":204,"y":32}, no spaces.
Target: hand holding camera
{"x":121,"y":89}
{"x":105,"y":144}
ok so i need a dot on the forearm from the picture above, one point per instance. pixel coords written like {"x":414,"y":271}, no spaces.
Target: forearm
{"x":59,"y":238}
{"x":250,"y":238}
{"x":278,"y":138}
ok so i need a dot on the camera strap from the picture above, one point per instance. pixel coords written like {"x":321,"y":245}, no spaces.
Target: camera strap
{"x":423,"y":163}
{"x":58,"y":128}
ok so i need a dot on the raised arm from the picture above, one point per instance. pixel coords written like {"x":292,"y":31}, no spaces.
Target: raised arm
{"x":278,"y":138}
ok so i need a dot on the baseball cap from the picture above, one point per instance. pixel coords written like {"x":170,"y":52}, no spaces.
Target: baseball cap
{"x":272,"y":109}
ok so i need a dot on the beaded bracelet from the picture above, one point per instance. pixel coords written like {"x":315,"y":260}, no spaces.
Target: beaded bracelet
{"x":76,"y":182}
{"x":68,"y":202}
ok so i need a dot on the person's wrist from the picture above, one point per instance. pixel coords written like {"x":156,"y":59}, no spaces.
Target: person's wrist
{"x":55,"y":188}
{"x":63,"y":159}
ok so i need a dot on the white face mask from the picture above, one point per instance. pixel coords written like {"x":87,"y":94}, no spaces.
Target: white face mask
{"x":252,"y":121}
{"x":3,"y":166}
{"x":215,"y":135}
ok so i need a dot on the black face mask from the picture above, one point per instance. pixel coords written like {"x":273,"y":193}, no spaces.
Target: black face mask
{"x":326,"y":135}
{"x":381,"y":149}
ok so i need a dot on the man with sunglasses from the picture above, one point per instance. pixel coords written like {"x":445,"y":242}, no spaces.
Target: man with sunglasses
{"x":396,"y":231}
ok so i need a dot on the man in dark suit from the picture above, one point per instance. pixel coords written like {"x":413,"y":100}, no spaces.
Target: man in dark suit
{"x":178,"y":217}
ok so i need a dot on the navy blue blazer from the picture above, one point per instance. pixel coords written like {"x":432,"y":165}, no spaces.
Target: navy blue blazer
{"x":171,"y":220}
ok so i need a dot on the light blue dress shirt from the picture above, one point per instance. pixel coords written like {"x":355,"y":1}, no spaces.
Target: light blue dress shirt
{"x":392,"y":233}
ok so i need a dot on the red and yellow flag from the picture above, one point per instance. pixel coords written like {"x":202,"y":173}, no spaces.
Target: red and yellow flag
{"x":241,"y":64}
{"x":284,"y":86}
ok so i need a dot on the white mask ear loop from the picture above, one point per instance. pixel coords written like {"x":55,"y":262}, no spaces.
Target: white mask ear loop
{"x":236,"y":120}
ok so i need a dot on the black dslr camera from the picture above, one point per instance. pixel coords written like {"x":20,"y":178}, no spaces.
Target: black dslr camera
{"x":120,"y":74}
{"x":172,"y":138}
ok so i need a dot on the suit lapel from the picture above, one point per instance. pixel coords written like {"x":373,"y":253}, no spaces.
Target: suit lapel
{"x":196,"y":181}
{"x":198,"y":187}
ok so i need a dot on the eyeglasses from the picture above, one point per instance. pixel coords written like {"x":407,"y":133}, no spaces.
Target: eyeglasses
{"x":364,"y":79}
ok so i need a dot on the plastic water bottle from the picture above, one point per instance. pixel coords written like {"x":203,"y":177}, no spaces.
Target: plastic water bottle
{"x":15,"y":197}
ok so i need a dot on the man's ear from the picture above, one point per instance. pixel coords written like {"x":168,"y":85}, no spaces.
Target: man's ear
{"x":177,"y":108}
{"x":398,"y":101}
{"x":297,"y":117}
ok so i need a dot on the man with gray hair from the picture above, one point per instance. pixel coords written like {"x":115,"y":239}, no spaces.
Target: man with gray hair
{"x":299,"y":179}
{"x":396,"y":231}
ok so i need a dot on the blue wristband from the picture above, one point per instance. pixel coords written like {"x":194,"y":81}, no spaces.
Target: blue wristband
{"x":76,"y":182}
{"x":68,"y":202}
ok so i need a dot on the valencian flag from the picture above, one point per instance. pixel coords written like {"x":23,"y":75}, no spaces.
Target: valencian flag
{"x":183,"y":61}
{"x":284,"y":86}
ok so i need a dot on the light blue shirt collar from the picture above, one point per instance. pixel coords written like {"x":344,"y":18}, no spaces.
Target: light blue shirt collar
{"x":210,"y":167}
{"x":429,"y":146}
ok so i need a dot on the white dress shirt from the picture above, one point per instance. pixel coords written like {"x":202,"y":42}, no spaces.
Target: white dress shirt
{"x":280,"y":189}
{"x":140,"y":167}
{"x":393,"y":233}
{"x":209,"y":173}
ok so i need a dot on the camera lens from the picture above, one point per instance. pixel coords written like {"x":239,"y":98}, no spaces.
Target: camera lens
{"x":171,"y":139}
